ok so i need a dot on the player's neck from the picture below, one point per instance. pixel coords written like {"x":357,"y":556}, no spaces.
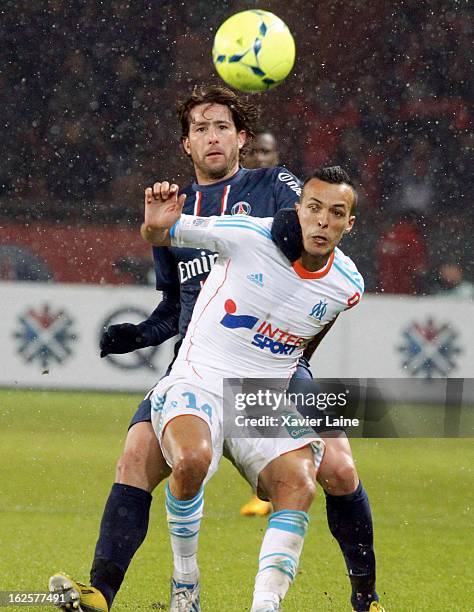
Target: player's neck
{"x":204,"y":179}
{"x":313,"y":263}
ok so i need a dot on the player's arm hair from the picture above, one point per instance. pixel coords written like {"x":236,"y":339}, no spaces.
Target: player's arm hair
{"x":316,"y":341}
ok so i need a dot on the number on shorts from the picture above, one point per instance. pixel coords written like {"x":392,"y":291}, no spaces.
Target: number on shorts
{"x":192,"y":404}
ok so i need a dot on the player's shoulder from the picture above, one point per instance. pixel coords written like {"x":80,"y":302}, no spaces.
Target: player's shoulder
{"x":286,"y":178}
{"x":347,"y":269}
{"x":272,"y":174}
{"x":253,"y":226}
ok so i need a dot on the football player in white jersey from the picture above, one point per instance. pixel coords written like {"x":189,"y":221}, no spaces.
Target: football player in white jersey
{"x":243,"y":329}
{"x":214,"y":118}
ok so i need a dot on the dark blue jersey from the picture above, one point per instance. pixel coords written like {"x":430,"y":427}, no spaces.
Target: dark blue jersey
{"x":259,"y":193}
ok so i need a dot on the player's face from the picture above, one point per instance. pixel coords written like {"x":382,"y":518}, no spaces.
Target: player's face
{"x":263,"y":152}
{"x":213,"y":142}
{"x":325,"y":215}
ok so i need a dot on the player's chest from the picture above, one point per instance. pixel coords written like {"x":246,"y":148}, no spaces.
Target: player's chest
{"x":232,"y":200}
{"x":281,"y":301}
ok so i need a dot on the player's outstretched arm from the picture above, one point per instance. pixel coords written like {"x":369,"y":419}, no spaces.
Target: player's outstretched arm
{"x":162,"y":324}
{"x":163,"y":207}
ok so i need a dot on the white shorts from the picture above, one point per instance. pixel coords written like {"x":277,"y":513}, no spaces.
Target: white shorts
{"x":176,"y":395}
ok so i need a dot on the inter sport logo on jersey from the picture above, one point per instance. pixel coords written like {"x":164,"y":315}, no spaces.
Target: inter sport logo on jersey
{"x":268,"y":336}
{"x":45,"y":336}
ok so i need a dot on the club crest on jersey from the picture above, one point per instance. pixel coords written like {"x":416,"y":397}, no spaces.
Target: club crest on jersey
{"x":269,"y":336}
{"x":319,"y":310}
{"x":241,"y":208}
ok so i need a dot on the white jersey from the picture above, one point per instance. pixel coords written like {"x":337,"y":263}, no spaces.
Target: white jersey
{"x":257,"y":312}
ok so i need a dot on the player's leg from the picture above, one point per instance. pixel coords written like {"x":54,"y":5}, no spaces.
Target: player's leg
{"x":187,"y":444}
{"x":282,"y":470}
{"x":349,"y":518}
{"x":289,"y":482}
{"x":124,"y":522}
{"x":189,"y":430}
{"x":347,"y":505}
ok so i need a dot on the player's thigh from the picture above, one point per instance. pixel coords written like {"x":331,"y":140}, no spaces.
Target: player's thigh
{"x":269,"y":463}
{"x":188,"y":423}
{"x":337,"y":473}
{"x":187,"y":436}
{"x":142,"y":463}
{"x":289,"y":480}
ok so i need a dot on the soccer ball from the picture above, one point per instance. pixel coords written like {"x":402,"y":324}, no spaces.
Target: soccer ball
{"x":253,"y":51}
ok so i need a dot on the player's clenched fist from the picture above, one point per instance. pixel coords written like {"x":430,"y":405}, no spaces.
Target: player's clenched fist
{"x":163,"y":207}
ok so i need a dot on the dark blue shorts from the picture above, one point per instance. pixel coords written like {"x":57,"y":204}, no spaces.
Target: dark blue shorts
{"x":143,"y":413}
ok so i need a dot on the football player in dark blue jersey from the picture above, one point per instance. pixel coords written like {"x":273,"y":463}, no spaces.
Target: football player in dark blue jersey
{"x":262,"y":153}
{"x":216,"y":125}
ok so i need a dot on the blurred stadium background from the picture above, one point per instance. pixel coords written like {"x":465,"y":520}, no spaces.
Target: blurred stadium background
{"x":88,"y":115}
{"x":87,"y":96}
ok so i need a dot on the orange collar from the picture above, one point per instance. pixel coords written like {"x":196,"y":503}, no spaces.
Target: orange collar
{"x":304,"y":273}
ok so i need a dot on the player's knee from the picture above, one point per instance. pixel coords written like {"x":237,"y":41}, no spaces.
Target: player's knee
{"x":342,"y":478}
{"x":131,"y":461}
{"x":190,"y":469}
{"x":296,"y":491}
{"x":306,"y":484}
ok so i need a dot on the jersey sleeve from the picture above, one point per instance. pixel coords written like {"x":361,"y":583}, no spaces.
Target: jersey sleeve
{"x":166,"y":273}
{"x":351,"y":277}
{"x":286,"y":188}
{"x":224,"y":235}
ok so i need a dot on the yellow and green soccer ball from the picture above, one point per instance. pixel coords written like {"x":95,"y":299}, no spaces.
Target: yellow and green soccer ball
{"x":253,"y":51}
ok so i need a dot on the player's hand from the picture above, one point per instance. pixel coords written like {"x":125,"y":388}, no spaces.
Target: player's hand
{"x":119,"y":339}
{"x":163,"y":207}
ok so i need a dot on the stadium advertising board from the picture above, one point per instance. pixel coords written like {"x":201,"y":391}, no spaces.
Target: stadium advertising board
{"x":50,"y":335}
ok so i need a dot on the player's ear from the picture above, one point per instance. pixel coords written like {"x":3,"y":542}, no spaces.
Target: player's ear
{"x":241,"y":138}
{"x":350,"y":224}
{"x":185,"y":145}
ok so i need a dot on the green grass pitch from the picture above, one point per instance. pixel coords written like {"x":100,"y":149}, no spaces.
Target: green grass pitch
{"x":58,"y":452}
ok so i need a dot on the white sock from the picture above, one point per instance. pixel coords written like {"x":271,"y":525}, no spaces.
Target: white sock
{"x":184,"y":521}
{"x":280,"y":555}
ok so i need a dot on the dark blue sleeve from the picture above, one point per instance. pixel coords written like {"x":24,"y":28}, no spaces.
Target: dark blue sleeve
{"x":163,"y":322}
{"x":166,"y":273}
{"x":286,"y":188}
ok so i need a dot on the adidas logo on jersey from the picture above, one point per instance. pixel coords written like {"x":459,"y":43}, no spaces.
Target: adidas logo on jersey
{"x":256,"y":278}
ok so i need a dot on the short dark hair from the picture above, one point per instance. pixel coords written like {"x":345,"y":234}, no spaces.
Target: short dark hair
{"x":335,"y":175}
{"x":244,"y":113}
